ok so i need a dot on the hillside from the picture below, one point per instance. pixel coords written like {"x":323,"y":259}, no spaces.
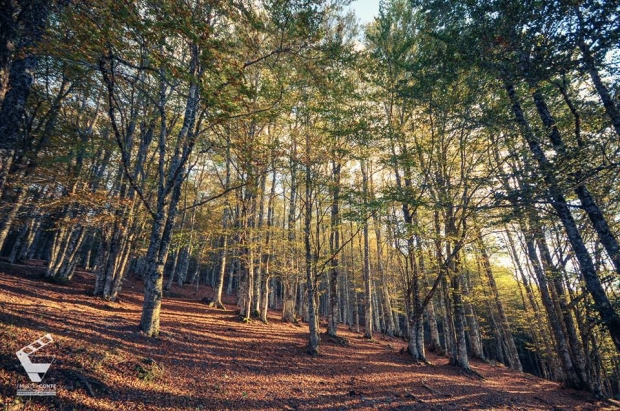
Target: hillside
{"x":207,"y":359}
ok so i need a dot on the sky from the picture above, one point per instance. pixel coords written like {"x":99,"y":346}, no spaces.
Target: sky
{"x":365,"y":9}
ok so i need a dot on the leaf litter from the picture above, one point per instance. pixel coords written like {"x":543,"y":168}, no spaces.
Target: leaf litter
{"x":206,"y":359}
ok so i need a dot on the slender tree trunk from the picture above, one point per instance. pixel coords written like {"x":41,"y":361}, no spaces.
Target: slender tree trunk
{"x":220,"y":284}
{"x":355,"y":307}
{"x":610,"y":318}
{"x":539,"y":329}
{"x":259,"y":255}
{"x":368,"y":289}
{"x":290,"y":290}
{"x":173,"y":269}
{"x":390,"y":327}
{"x":603,"y":92}
{"x":577,"y":354}
{"x":14,"y":92}
{"x":264,"y":297}
{"x":266,"y":257}
{"x":19,"y":241}
{"x":290,"y":278}
{"x":182,"y":265}
{"x":462,"y":359}
{"x":598,"y":220}
{"x":106,"y":268}
{"x":345,"y":308}
{"x":334,"y":246}
{"x":9,"y":218}
{"x":432,"y":321}
{"x":313,"y":347}
{"x":504,"y":326}
{"x":34,"y":231}
{"x":88,"y":251}
{"x":65,"y":261}
{"x":234,"y":263}
{"x":448,"y":324}
{"x":554,"y":321}
{"x":121,"y":268}
{"x":473,"y":331}
{"x":368,"y":306}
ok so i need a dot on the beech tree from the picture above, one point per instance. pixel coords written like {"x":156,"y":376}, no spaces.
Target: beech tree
{"x":449,"y":176}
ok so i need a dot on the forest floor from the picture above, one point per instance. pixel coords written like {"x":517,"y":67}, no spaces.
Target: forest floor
{"x":206,"y":359}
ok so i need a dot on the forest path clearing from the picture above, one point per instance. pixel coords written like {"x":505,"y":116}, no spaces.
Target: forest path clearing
{"x":206,"y":359}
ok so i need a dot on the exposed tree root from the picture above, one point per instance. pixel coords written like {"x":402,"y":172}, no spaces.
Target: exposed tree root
{"x":83,"y":380}
{"x":335,"y":339}
{"x":470,"y":372}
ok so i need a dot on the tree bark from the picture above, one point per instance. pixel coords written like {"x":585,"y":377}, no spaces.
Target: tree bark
{"x":504,"y":326}
{"x":290,"y":281}
{"x":334,"y":246}
{"x":14,"y":92}
{"x":598,"y":220}
{"x":590,"y":66}
{"x":168,"y":196}
{"x":610,"y":318}
{"x":456,"y":278}
{"x":368,"y":306}
{"x":473,"y":330}
{"x":313,"y":347}
{"x":9,"y":218}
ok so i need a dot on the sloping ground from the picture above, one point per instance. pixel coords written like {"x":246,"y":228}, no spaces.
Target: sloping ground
{"x":206,"y":359}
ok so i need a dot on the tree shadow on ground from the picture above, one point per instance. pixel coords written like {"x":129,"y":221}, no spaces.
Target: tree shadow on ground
{"x":210,"y":360}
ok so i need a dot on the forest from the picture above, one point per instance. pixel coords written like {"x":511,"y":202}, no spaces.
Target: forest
{"x":445,"y":177}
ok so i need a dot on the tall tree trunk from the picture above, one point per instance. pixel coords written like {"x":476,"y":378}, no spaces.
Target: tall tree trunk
{"x":554,"y":321}
{"x":16,"y":247}
{"x":168,"y":194}
{"x":11,"y":216}
{"x":154,"y":277}
{"x":368,"y":289}
{"x":290,"y":291}
{"x":598,"y":220}
{"x":557,"y":289}
{"x":414,"y":307}
{"x":473,"y":331}
{"x":334,"y":249}
{"x":63,"y":262}
{"x":448,"y":325}
{"x":456,"y":276}
{"x":225,"y":236}
{"x":290,"y":278}
{"x":266,"y":257}
{"x":538,"y":329}
{"x":264,"y":297}
{"x":390,"y":327}
{"x":233,"y":265}
{"x":368,"y":306}
{"x":610,"y":318}
{"x":590,"y":66}
{"x":432,"y":321}
{"x":313,"y":347}
{"x":34,"y":231}
{"x":182,"y":265}
{"x":222,"y":274}
{"x":173,"y":269}
{"x":23,"y":35}
{"x":504,"y":326}
{"x":159,"y":244}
